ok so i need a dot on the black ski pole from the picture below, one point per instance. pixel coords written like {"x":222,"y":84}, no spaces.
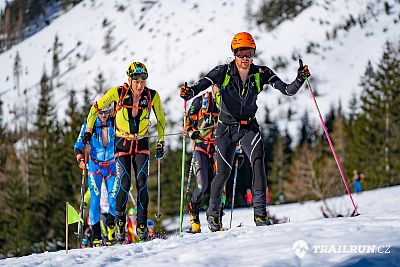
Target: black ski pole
{"x":188,"y":183}
{"x":234,"y":190}
{"x":81,"y":210}
{"x":158,"y":215}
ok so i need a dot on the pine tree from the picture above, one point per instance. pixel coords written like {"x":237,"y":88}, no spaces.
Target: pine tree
{"x":56,"y":58}
{"x":43,"y":173}
{"x":270,"y":134}
{"x":87,"y":102}
{"x":100,"y":87}
{"x":17,"y":71}
{"x":306,"y":130}
{"x":375,"y":132}
{"x":16,"y":229}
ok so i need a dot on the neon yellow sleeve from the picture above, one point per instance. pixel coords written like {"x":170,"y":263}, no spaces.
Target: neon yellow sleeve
{"x":159,"y":112}
{"x":104,"y":101}
{"x":86,"y":197}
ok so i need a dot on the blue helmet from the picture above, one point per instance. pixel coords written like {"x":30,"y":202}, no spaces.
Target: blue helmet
{"x":150,"y":223}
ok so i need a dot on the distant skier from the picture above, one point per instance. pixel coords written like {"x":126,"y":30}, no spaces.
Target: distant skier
{"x":131,"y":226}
{"x":357,"y":178}
{"x":200,"y":127}
{"x":101,"y":167}
{"x":150,"y":227}
{"x":134,"y":101}
{"x":248,"y":196}
{"x":239,"y":84}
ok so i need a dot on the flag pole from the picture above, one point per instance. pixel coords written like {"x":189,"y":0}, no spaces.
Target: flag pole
{"x":66,"y":227}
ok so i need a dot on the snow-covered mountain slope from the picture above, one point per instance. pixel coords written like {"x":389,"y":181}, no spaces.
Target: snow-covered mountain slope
{"x":179,"y":39}
{"x":378,"y":225}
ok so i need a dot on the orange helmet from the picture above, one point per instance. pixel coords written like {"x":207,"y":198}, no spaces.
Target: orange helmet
{"x":242,"y":39}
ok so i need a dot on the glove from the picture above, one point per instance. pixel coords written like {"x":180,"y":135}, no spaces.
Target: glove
{"x":194,"y":135}
{"x":303,"y":72}
{"x":160,"y":150}
{"x":81,"y":161}
{"x":186,"y":92}
{"x":86,"y":138}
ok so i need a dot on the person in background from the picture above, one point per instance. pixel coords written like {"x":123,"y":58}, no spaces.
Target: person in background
{"x":200,"y":127}
{"x":150,"y":226}
{"x":248,"y":197}
{"x":101,"y":167}
{"x":131,"y":226}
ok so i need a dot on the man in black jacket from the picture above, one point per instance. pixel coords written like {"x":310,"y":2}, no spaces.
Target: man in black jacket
{"x":240,"y":82}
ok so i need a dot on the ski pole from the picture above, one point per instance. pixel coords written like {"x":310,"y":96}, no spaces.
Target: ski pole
{"x":188,"y":184}
{"x":158,"y":215}
{"x":132,"y":198}
{"x":84,"y":178}
{"x":329,"y":140}
{"x":183,"y":166}
{"x":234,"y":190}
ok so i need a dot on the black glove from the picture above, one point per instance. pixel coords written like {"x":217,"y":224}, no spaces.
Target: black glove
{"x":160,"y":150}
{"x":194,"y":135}
{"x":303,"y":72}
{"x":186,"y":92}
{"x":86,"y":138}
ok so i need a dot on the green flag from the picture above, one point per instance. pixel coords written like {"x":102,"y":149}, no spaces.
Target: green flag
{"x":73,"y":216}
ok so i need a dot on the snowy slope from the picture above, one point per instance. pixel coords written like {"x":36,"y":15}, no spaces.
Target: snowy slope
{"x":179,"y":39}
{"x":261,"y":246}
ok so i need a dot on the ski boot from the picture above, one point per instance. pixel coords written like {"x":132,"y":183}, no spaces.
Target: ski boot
{"x":194,"y":218}
{"x":120,"y":232}
{"x":97,"y":242}
{"x":214,"y":223}
{"x":262,"y":220}
{"x":142,"y":233}
{"x":110,"y":235}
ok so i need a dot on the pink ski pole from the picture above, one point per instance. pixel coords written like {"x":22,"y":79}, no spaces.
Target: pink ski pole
{"x":329,"y":141}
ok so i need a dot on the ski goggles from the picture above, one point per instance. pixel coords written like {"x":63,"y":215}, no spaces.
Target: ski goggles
{"x":104,"y":112}
{"x":139,"y":76}
{"x":245,"y":53}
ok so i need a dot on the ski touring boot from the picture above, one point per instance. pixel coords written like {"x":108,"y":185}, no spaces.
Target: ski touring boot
{"x":194,"y":218}
{"x":120,"y":232}
{"x":110,"y":235}
{"x":142,"y":233}
{"x":97,"y":241}
{"x":262,"y":220}
{"x":214,"y":223}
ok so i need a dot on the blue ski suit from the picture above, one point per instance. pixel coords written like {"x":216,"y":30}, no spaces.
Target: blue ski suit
{"x":101,"y":167}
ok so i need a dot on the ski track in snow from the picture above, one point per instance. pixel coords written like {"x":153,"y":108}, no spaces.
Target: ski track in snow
{"x":249,"y":245}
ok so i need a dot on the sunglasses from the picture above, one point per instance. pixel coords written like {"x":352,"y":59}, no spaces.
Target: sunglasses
{"x":245,"y":53}
{"x":104,"y":112}
{"x":139,"y":76}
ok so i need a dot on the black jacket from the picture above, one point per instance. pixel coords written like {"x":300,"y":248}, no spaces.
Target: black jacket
{"x":238,"y":101}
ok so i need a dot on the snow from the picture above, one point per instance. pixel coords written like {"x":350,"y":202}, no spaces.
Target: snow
{"x":180,"y":39}
{"x":249,"y":245}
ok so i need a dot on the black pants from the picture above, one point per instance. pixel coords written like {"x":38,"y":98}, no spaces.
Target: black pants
{"x":251,"y":141}
{"x":204,"y":172}
{"x":132,"y":153}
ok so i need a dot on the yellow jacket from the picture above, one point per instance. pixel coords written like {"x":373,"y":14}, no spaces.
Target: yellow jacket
{"x":127,"y":126}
